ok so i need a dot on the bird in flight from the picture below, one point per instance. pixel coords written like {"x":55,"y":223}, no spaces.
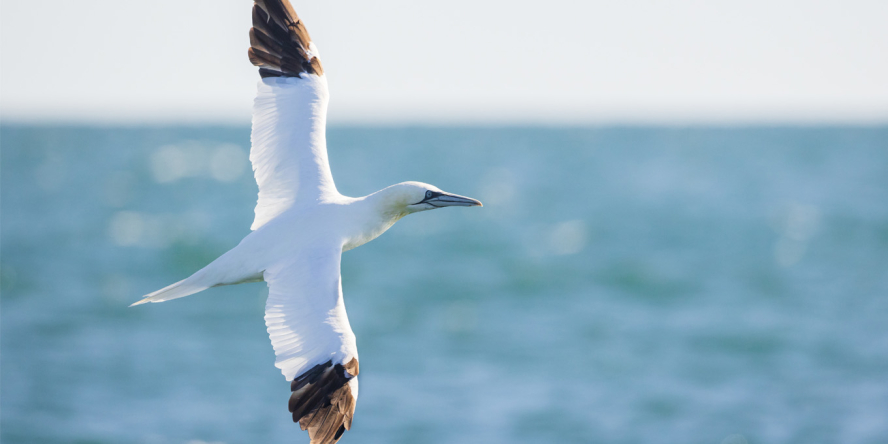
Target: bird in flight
{"x":302,"y":226}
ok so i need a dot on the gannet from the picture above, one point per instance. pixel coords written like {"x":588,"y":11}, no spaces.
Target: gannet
{"x":302,"y":226}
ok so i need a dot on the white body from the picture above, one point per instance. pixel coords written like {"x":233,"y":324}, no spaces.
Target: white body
{"x":302,"y":226}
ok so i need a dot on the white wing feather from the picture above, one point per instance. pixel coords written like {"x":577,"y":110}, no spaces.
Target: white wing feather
{"x":289,"y":152}
{"x":305,"y":312}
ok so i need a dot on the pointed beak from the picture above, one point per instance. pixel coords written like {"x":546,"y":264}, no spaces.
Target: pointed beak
{"x":451,"y":200}
{"x":455,"y":200}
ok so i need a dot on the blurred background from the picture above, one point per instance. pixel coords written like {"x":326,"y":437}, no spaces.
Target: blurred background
{"x":684,"y":237}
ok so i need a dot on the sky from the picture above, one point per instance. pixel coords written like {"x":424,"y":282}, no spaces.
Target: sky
{"x":457,"y":62}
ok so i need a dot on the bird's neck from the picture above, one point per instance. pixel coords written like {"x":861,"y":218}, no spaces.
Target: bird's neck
{"x":378,"y":212}
{"x":389,"y":203}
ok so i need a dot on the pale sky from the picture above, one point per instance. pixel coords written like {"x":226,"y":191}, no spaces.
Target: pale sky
{"x":475,"y":62}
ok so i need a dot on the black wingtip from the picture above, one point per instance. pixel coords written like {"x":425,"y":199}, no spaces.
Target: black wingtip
{"x":322,"y":401}
{"x":279,"y":42}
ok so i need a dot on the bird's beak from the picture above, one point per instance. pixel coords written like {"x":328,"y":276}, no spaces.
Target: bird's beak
{"x":455,"y":200}
{"x":450,"y":200}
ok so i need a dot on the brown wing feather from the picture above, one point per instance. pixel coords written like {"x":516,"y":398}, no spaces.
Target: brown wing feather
{"x":279,"y":42}
{"x":322,"y":401}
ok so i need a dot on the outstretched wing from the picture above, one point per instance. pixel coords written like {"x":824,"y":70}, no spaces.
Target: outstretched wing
{"x":289,"y":152}
{"x":313,"y":341}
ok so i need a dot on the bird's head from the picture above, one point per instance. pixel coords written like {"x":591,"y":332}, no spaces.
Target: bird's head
{"x":413,"y":197}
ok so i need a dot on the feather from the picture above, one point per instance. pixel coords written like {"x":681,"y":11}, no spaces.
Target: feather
{"x":279,"y":42}
{"x":322,"y":401}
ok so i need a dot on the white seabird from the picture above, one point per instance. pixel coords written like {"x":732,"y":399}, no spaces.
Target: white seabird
{"x":302,"y":226}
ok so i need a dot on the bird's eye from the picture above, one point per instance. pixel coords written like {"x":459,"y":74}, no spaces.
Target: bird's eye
{"x":428,"y":194}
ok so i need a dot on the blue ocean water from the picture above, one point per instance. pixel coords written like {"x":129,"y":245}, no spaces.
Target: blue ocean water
{"x":620,"y":285}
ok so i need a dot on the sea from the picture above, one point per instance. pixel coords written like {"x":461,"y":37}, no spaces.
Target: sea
{"x":621,"y":284}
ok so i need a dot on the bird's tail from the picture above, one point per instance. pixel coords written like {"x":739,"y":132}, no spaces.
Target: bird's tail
{"x":228,"y":269}
{"x":180,"y":289}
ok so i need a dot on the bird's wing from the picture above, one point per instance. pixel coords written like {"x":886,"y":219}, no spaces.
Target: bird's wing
{"x":313,"y":341}
{"x":289,"y":152}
